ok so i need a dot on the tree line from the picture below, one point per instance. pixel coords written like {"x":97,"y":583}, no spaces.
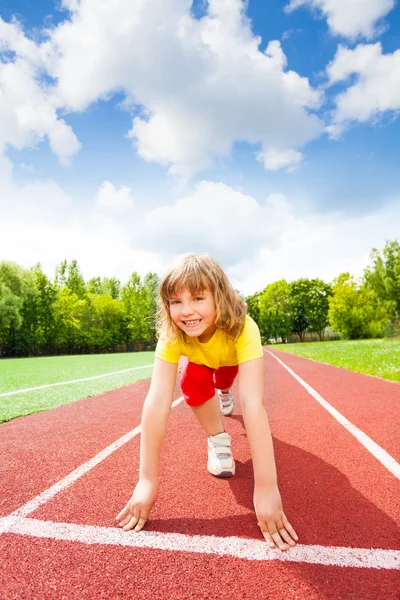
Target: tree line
{"x":71,"y":316}
{"x":364,"y":308}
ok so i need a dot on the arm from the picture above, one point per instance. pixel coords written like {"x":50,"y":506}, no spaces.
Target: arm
{"x":267,"y":500}
{"x":156,"y":409}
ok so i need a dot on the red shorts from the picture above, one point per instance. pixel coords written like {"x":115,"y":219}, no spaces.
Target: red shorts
{"x":198,"y":382}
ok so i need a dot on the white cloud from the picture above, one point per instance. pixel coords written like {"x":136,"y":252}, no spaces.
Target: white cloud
{"x":349,"y":18}
{"x":213,"y":218}
{"x":376,"y":89}
{"x":257,"y":243}
{"x":201,"y":84}
{"x":27,"y":113}
{"x":109,"y":197}
{"x":276,"y":159}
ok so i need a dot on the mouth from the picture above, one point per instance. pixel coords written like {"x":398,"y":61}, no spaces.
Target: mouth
{"x":192,"y":323}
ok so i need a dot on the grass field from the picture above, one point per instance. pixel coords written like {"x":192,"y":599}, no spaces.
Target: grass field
{"x":380,"y":358}
{"x":21,"y":373}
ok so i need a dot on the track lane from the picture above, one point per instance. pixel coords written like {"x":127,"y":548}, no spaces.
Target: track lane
{"x":193,"y":502}
{"x":370,"y":403}
{"x":40,"y":449}
{"x":306,"y":463}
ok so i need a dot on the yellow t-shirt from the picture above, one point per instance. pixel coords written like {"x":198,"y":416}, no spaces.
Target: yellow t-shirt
{"x":219,"y":351}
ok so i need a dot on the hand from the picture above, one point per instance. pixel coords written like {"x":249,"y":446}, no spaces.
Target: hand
{"x":136,"y":512}
{"x":272,"y":521}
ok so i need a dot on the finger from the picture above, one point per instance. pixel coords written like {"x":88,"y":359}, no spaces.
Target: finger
{"x":123,"y":512}
{"x":278,"y":540}
{"x":126,"y":520}
{"x":268,"y":539}
{"x":141,"y":523}
{"x":132,"y":523}
{"x":289,"y":528}
{"x":286,"y":536}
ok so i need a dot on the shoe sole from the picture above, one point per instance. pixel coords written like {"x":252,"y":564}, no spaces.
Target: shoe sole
{"x":222,"y":474}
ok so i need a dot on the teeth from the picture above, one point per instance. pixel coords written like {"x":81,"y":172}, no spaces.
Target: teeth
{"x":191,"y":322}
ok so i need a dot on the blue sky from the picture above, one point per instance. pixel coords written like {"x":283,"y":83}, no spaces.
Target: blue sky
{"x":266,"y":133}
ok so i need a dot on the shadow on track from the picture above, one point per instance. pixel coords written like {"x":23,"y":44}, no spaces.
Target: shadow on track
{"x":319,"y":501}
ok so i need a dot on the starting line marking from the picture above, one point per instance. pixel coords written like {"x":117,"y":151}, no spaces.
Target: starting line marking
{"x":41,"y":387}
{"x":379,"y":453}
{"x":236,"y":547}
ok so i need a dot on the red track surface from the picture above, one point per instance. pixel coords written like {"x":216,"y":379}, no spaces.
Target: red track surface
{"x":334,"y":491}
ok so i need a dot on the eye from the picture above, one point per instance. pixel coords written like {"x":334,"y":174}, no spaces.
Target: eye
{"x":199,"y":298}
{"x":171,"y":302}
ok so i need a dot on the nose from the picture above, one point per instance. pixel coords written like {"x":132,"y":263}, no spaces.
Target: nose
{"x":187,"y":310}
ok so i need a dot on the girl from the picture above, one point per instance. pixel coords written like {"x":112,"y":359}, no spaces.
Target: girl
{"x":204,"y":319}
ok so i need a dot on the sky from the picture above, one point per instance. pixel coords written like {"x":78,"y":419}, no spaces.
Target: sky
{"x":266,"y":133}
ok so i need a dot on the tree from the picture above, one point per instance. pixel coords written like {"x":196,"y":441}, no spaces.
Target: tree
{"x":299,"y":299}
{"x":150,"y":293}
{"x":111,"y":286}
{"x":16,"y":286}
{"x":102,"y":322}
{"x":253,"y":306}
{"x":354,"y":311}
{"x":383,"y":276}
{"x":69,"y":275}
{"x":309,"y":306}
{"x":317,"y":306}
{"x":46,"y":296}
{"x":68,"y":310}
{"x":140,"y":304}
{"x":275,"y":310}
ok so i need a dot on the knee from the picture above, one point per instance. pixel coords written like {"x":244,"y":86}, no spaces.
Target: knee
{"x":197,"y":384}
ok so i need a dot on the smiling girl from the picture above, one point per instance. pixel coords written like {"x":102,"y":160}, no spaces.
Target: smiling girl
{"x":203,"y":318}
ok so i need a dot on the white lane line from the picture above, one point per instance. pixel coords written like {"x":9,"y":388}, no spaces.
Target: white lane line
{"x":61,"y":485}
{"x":41,"y":387}
{"x":365,"y":558}
{"x":379,"y":453}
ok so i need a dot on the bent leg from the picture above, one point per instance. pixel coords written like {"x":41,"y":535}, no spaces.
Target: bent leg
{"x":224,"y":377}
{"x":198,"y":389}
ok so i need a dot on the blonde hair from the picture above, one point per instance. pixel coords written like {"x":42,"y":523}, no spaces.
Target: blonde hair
{"x":196,"y":273}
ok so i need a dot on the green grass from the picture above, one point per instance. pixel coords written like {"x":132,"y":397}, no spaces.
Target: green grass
{"x":380,"y":358}
{"x":20,"y":373}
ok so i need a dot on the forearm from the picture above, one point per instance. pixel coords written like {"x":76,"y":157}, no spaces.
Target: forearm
{"x":154,"y":424}
{"x":261,"y":447}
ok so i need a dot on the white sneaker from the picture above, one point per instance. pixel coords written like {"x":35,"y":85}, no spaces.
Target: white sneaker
{"x":226,"y":402}
{"x":220,"y":459}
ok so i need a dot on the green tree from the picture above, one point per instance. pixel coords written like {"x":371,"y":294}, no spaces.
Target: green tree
{"x":139,"y":299}
{"x":299,"y":299}
{"x":253,"y":307}
{"x":111,"y":286}
{"x":383,"y":276}
{"x":317,"y":306}
{"x":309,"y":306}
{"x":46,"y":296}
{"x":150,"y":293}
{"x":16,"y":287}
{"x":102,"y":322}
{"x":275,"y":311}
{"x":69,"y":275}
{"x":354,"y":311}
{"x":68,"y":311}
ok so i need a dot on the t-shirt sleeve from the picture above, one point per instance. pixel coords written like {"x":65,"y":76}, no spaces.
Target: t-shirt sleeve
{"x":169,"y":351}
{"x":248,"y":345}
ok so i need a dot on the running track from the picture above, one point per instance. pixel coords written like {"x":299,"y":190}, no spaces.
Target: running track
{"x":61,"y":491}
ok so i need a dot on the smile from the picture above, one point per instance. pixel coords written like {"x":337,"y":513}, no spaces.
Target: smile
{"x":191,"y":323}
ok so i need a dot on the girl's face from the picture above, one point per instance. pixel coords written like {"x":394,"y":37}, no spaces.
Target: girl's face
{"x":195,"y":315}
